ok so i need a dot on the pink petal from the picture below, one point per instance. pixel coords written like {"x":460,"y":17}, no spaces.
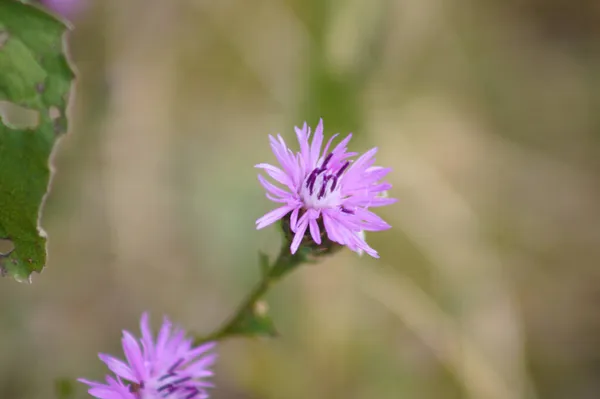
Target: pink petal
{"x":147,"y":340}
{"x":302,"y":225}
{"x":370,"y":201}
{"x":301,"y":172}
{"x":163,"y":337}
{"x":381,"y":187}
{"x":200,"y":366}
{"x":360,"y":244}
{"x":118,"y":367}
{"x":353,"y":175}
{"x":91,"y":383}
{"x":367,"y":179}
{"x":314,"y":231}
{"x":294,"y":219}
{"x":376,"y":173}
{"x":176,"y":343}
{"x":276,"y":174}
{"x":201,"y":349}
{"x":341,"y":147}
{"x":282,"y":154}
{"x":373,"y":222}
{"x":133,"y":354}
{"x":275,"y":199}
{"x":105,"y":393}
{"x":303,"y":141}
{"x":272,"y":188}
{"x":331,"y":228}
{"x":365,"y":161}
{"x":328,"y":144}
{"x":315,"y":148}
{"x":273,"y":216}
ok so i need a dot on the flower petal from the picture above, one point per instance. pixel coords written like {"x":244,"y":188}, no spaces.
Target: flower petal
{"x":277,"y":174}
{"x":91,"y":383}
{"x":328,"y":145}
{"x":118,"y":367}
{"x":133,"y":354}
{"x":359,"y":245}
{"x":275,"y":199}
{"x":163,"y":337}
{"x":147,"y":340}
{"x":314,"y":231}
{"x":294,"y":219}
{"x":302,"y":225}
{"x":358,"y":167}
{"x":370,"y":201}
{"x":315,"y":148}
{"x":331,"y":227}
{"x":273,"y":216}
{"x":281,"y":153}
{"x":303,"y":135}
{"x":200,"y":367}
{"x":272,"y":188}
{"x":372,"y":222}
{"x":107,"y":393}
{"x":201,"y":349}
{"x":341,"y":147}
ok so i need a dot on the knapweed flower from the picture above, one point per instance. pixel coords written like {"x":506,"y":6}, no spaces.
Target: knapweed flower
{"x":325,"y":190}
{"x":168,"y":368}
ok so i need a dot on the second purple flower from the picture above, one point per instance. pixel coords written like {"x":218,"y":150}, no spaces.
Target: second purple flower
{"x":168,"y":367}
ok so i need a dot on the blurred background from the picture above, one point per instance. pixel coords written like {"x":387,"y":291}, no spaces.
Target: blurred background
{"x":488,"y":112}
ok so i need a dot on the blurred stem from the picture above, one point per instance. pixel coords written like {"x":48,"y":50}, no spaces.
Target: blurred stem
{"x":246,"y":314}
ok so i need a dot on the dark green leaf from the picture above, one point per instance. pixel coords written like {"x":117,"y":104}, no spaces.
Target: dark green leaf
{"x":35,"y":82}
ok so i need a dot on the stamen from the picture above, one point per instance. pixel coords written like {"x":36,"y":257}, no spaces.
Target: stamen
{"x":169,"y":387}
{"x":194,"y":392}
{"x":310,"y":182}
{"x":164,"y":377}
{"x":174,"y":366}
{"x":348,"y":211}
{"x":322,"y":181}
{"x":327,"y":159}
{"x":323,"y":186}
{"x":335,"y":179}
{"x":342,"y":169}
{"x":313,"y":179}
{"x":179,"y":381}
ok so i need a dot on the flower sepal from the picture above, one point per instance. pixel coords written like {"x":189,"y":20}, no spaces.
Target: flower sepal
{"x":309,"y":249}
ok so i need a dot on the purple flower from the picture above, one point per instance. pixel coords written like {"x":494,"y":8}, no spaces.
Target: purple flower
{"x":325,"y":190}
{"x":168,"y":368}
{"x":66,"y":8}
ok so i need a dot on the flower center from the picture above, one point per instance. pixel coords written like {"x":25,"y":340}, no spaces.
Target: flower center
{"x":321,"y":189}
{"x":173,"y":385}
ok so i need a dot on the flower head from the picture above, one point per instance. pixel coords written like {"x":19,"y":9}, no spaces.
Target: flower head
{"x":169,"y":367}
{"x":325,"y":190}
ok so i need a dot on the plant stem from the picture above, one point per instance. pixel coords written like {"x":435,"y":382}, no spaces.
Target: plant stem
{"x":285,"y":263}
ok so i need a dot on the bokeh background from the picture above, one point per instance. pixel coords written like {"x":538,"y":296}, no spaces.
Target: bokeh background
{"x":489,"y":113}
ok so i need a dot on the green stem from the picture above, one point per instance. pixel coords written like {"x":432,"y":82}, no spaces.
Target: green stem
{"x":285,"y":263}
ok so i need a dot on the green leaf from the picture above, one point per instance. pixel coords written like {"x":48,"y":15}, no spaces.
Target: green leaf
{"x":35,"y":81}
{"x":253,"y":322}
